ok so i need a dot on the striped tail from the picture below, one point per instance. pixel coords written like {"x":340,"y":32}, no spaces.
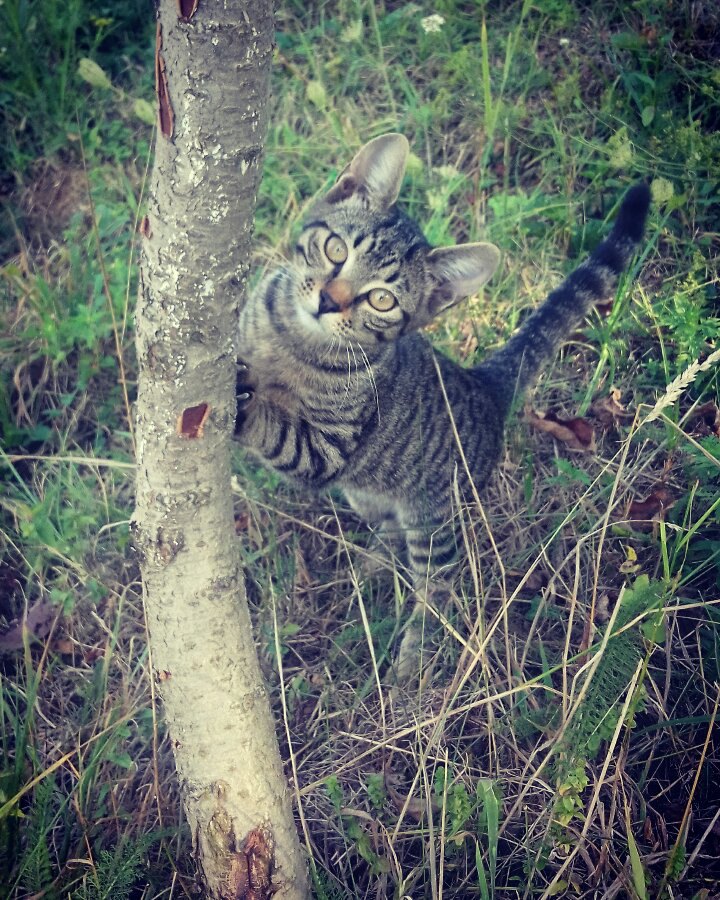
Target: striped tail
{"x":516,"y":366}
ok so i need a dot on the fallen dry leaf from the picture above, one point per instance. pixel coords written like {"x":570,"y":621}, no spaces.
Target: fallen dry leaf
{"x":242,"y":522}
{"x":38,"y":623}
{"x":643,"y":513}
{"x":602,"y":609}
{"x":414,"y":808}
{"x":705,"y":420}
{"x":533,"y":583}
{"x":650,"y":34}
{"x":630,"y":565}
{"x":576,"y":434}
{"x":609,"y":410}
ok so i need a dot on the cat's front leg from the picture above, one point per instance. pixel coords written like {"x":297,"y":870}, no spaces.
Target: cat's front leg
{"x":285,"y":441}
{"x":262,"y":427}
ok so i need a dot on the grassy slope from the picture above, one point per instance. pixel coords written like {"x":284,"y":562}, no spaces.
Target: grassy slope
{"x":517,"y":765}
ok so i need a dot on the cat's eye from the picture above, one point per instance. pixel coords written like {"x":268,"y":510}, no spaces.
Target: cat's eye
{"x":336,"y":249}
{"x":381,"y":299}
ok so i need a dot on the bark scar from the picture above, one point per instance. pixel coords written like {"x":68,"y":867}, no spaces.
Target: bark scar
{"x":168,"y":545}
{"x":243,"y":870}
{"x":167,"y":116}
{"x":251,"y":867}
{"x":187,"y":9}
{"x":191,"y":421}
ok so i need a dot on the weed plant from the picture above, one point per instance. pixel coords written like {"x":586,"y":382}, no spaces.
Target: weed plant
{"x":565,"y":741}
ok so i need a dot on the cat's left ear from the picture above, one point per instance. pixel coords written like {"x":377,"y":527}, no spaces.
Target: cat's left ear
{"x":375,"y":173}
{"x":460,"y":272}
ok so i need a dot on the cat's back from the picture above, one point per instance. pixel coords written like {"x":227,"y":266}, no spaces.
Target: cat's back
{"x":431,"y":415}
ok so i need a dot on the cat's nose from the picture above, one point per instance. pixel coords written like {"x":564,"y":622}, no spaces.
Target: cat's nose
{"x":327,"y":304}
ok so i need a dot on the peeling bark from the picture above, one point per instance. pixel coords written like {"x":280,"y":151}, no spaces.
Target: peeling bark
{"x":212,"y":73}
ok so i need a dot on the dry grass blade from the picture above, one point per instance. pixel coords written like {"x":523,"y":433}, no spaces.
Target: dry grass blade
{"x":679,"y":385}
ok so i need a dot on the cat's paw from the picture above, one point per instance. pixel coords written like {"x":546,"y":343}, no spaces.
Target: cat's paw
{"x":244,"y":393}
{"x":244,"y":383}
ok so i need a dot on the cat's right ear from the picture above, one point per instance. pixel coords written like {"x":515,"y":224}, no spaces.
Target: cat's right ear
{"x":375,"y":174}
{"x":459,"y":272}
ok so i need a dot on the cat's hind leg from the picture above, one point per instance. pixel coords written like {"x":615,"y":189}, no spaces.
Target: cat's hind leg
{"x":432,"y":553}
{"x":386,"y":547}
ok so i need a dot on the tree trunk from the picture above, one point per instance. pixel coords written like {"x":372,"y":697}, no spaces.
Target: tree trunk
{"x":212,"y":72}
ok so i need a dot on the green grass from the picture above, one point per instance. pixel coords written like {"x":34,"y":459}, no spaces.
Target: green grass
{"x":558,"y":749}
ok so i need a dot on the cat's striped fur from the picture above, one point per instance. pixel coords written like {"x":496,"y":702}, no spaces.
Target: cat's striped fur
{"x":334,"y":391}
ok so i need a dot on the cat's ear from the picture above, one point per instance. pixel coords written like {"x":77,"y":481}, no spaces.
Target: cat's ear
{"x":375,"y":173}
{"x":460,"y":272}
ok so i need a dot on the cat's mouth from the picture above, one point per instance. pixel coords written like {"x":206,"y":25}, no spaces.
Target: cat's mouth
{"x":322,"y":325}
{"x":335,"y":324}
{"x":326,"y":308}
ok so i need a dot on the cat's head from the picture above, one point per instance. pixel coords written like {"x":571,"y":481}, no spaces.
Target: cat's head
{"x":364,"y":271}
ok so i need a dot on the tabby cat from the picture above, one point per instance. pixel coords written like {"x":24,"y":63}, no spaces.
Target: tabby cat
{"x":338,"y":387}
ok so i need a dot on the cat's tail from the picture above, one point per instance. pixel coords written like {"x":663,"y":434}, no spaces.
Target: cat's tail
{"x":516,"y":366}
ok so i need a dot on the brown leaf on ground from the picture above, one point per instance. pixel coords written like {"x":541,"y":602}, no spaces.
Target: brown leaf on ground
{"x":38,"y":623}
{"x":602,"y":609}
{"x":705,"y":420}
{"x":527,"y":584}
{"x":609,"y":410}
{"x":576,"y":434}
{"x":242,"y":522}
{"x":413,"y":807}
{"x":643,"y":513}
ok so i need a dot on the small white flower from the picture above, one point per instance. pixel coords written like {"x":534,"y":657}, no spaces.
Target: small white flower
{"x":447,"y":173}
{"x":564,"y":41}
{"x":436,"y":200}
{"x":432,"y":24}
{"x":353,"y":32}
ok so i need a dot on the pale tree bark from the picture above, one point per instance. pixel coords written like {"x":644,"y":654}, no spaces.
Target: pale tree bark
{"x":212,"y":75}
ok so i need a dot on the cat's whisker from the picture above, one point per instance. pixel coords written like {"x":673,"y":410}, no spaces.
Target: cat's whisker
{"x":330,"y":349}
{"x":357,"y":368}
{"x":368,"y":366}
{"x":337,"y":351}
{"x":349,"y":376}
